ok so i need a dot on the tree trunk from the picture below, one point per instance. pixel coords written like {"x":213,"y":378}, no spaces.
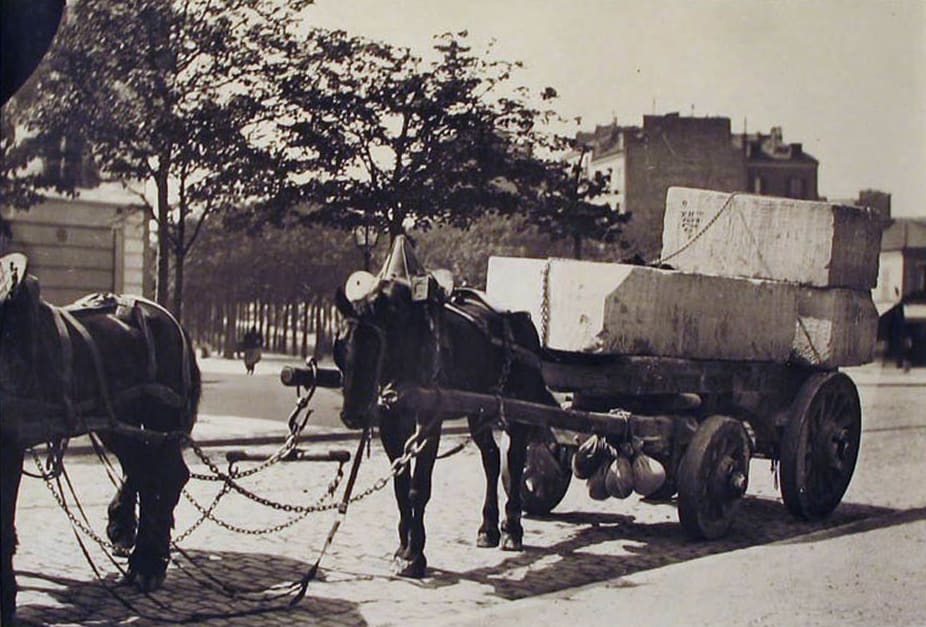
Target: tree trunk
{"x":231,"y":325}
{"x":305,"y":331}
{"x":577,"y":246}
{"x":316,"y":350}
{"x":163,"y":212}
{"x":178,"y":286}
{"x":179,"y":258}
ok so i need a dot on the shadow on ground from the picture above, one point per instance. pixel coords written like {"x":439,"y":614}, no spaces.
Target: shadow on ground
{"x":202,"y":588}
{"x":608,"y":546}
{"x":232,"y":588}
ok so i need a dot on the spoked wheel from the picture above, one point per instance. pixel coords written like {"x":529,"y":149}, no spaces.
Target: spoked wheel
{"x":546,"y":475}
{"x":820,"y":445}
{"x":712,"y":477}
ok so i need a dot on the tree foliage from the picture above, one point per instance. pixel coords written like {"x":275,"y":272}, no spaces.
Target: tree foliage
{"x":376,"y":134}
{"x":18,"y":188}
{"x":466,"y":253}
{"x":298,"y":264}
{"x":162,"y":92}
{"x":571,"y":203}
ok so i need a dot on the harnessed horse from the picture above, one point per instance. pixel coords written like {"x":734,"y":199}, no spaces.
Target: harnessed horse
{"x":403,"y":329}
{"x":121,"y":367}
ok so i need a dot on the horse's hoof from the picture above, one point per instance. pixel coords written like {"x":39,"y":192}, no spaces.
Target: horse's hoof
{"x":412,"y":569}
{"x":512,"y":543}
{"x":488,"y":539}
{"x":149,"y":583}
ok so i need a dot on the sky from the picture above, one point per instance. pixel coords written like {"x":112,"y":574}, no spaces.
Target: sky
{"x":846,"y":78}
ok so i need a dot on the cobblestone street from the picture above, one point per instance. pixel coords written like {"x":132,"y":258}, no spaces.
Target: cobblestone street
{"x":222,"y":577}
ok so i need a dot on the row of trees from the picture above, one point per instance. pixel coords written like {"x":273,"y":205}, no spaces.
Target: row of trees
{"x":240,"y":110}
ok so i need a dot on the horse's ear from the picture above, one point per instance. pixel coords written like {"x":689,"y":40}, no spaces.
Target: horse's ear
{"x":344,"y":306}
{"x":12,"y":273}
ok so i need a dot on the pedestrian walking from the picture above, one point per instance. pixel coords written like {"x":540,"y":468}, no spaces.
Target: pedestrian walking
{"x":252,"y":344}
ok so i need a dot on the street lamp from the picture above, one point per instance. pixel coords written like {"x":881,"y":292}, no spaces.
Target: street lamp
{"x":365,"y":237}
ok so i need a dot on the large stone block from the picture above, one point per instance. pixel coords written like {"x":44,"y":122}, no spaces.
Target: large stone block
{"x":836,"y":327}
{"x":781,"y":239}
{"x":615,"y":308}
{"x":583,"y":306}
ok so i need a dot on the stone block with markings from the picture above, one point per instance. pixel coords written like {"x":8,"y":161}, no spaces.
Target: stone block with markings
{"x":811,"y":243}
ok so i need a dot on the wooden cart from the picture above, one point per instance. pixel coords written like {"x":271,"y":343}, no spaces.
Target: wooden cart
{"x":702,"y":420}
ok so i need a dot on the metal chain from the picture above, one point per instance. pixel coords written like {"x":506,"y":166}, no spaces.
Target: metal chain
{"x":285,"y":449}
{"x":295,"y":428}
{"x":230,"y":481}
{"x":78,"y":524}
{"x":545,"y":305}
{"x":207,"y":513}
{"x":305,"y":511}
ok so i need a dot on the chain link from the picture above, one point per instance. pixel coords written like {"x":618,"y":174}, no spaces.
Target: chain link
{"x":545,"y":305}
{"x":78,"y":524}
{"x":304,"y":511}
{"x":285,"y":449}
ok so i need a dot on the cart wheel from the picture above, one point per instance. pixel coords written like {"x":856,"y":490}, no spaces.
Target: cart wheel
{"x":820,"y":445}
{"x":546,"y":477}
{"x":712,"y":477}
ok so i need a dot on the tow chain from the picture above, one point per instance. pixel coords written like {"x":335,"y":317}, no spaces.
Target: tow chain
{"x":78,"y":524}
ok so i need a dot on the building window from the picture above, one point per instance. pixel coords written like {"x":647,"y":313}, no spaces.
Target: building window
{"x":797,"y":187}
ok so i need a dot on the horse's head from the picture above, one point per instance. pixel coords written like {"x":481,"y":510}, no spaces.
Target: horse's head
{"x":389,"y":336}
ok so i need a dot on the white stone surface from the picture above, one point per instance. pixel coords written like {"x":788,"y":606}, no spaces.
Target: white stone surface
{"x":618,"y":308}
{"x":637,"y":310}
{"x":781,"y":239}
{"x":836,"y":327}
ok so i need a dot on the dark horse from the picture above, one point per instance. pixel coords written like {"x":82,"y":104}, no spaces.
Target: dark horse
{"x":115,"y":365}
{"x":402,"y":329}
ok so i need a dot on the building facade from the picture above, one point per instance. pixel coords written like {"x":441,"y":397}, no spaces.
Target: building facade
{"x":94,"y":243}
{"x":668,"y":150}
{"x":776,"y":168}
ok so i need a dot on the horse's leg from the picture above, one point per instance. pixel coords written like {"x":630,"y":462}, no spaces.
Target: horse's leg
{"x":488,"y":535}
{"x":512,"y":532}
{"x":123,"y":522}
{"x":393,"y":437}
{"x":11,"y":466}
{"x":416,"y":565}
{"x":159,"y":474}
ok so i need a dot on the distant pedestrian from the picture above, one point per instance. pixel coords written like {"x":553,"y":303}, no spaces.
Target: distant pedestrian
{"x":252,"y":344}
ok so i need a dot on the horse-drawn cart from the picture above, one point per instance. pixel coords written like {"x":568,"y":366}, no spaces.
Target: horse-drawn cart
{"x":705,"y":421}
{"x":669,"y":380}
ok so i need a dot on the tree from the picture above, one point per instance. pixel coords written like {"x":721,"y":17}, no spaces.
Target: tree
{"x":17,"y":188}
{"x":374,"y":134}
{"x":162,"y":91}
{"x":571,"y":205}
